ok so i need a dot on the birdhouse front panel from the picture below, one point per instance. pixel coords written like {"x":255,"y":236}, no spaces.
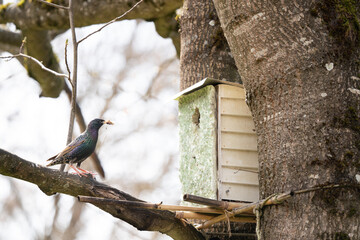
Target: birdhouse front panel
{"x":198,"y":130}
{"x":237,"y":147}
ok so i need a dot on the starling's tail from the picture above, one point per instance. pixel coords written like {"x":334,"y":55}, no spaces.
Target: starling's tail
{"x":55,"y":161}
{"x":52,"y":158}
{"x":51,"y":164}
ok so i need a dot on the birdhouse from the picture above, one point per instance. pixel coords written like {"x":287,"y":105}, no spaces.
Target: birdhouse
{"x":218,"y":143}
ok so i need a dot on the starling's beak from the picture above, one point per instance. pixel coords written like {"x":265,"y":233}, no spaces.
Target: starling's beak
{"x":108,"y":122}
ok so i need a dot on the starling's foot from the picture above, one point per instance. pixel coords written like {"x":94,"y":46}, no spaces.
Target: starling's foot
{"x":84,"y":173}
{"x":80,"y":174}
{"x":87,"y":172}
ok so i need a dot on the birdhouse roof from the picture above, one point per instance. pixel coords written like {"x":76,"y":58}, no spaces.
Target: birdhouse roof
{"x":203,"y":83}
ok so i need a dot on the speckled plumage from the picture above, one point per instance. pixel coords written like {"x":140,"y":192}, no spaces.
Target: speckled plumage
{"x":81,"y":147}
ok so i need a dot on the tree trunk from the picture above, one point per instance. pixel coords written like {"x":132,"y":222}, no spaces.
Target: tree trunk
{"x":301,"y":73}
{"x":204,"y":49}
{"x":206,"y":53}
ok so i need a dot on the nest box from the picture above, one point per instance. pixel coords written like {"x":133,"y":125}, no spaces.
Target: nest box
{"x":218,"y":143}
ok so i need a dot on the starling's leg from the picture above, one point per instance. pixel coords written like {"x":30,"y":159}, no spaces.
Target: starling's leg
{"x":87,"y":172}
{"x":77,"y":171}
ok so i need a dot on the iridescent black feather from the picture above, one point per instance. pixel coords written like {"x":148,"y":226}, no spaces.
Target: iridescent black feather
{"x":81,"y":147}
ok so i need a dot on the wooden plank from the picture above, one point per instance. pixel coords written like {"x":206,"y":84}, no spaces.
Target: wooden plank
{"x":231,"y":91}
{"x":238,"y":141}
{"x":237,"y":144}
{"x":231,"y":175}
{"x":236,"y":158}
{"x":211,"y":202}
{"x":243,"y":124}
{"x":235,"y":192}
{"x":232,"y":106}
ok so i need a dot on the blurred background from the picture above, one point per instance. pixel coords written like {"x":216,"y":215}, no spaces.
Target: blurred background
{"x":127,"y":74}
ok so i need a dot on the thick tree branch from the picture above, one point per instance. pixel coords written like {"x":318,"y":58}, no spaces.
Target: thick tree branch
{"x":11,"y":38}
{"x":36,"y":15}
{"x":53,"y":181}
{"x":168,"y":27}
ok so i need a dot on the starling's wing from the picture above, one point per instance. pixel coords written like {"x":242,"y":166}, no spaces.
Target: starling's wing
{"x":74,"y":144}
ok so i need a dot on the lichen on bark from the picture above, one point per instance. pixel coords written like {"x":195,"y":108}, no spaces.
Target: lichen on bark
{"x":342,"y":18}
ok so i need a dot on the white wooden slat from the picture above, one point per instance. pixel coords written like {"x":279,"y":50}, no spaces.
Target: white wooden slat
{"x":231,"y":91}
{"x":238,"y":158}
{"x":231,"y":191}
{"x":238,"y":141}
{"x":240,"y":177}
{"x":243,"y":124}
{"x":232,"y":106}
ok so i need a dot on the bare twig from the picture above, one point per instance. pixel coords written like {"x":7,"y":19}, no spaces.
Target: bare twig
{"x":22,"y":45}
{"x":137,"y":204}
{"x":112,"y":21}
{"x":74,"y":76}
{"x":66,"y":61}
{"x":73,"y":82}
{"x":212,"y":203}
{"x":53,"y":5}
{"x":192,"y":215}
{"x":37,"y":62}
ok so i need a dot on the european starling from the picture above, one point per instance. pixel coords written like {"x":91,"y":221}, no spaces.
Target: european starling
{"x":80,"y":148}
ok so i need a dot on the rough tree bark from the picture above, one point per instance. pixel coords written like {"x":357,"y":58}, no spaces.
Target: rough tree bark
{"x":53,"y":181}
{"x":299,"y":61}
{"x":204,"y":49}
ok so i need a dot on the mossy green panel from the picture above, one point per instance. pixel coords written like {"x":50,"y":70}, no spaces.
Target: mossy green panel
{"x":198,"y":142}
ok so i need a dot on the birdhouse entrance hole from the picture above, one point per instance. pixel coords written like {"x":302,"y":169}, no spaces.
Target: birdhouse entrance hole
{"x":196,"y":117}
